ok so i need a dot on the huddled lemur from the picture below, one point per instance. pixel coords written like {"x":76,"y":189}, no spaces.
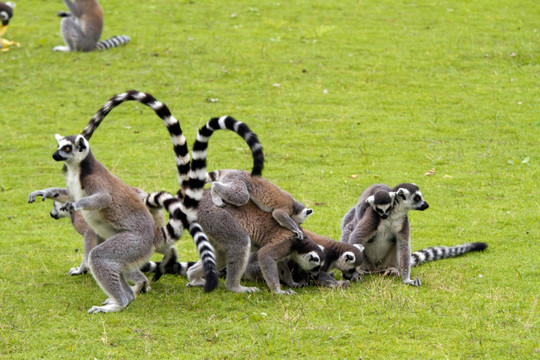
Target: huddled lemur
{"x":224,"y":231}
{"x":237,"y":187}
{"x":337,"y":255}
{"x":380,"y":223}
{"x":81,"y":28}
{"x":236,"y":232}
{"x":116,"y":213}
{"x":6,"y":13}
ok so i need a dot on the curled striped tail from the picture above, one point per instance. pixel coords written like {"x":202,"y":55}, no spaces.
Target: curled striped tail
{"x":443,"y":252}
{"x":178,"y":222}
{"x":197,"y":174}
{"x":115,"y":41}
{"x":173,"y":126}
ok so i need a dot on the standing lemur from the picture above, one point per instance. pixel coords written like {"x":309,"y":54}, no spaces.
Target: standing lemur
{"x":116,"y":213}
{"x":81,"y":28}
{"x":380,"y":223}
{"x":237,"y":187}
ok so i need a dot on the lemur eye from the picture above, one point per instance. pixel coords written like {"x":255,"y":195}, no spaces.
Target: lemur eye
{"x":417,"y":198}
{"x":67,"y":149}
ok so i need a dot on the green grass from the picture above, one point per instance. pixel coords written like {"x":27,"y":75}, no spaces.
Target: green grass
{"x":342,"y":95}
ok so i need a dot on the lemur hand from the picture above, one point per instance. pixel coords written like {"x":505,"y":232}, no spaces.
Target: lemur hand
{"x":43,"y":193}
{"x":68,"y":207}
{"x":298,"y":234}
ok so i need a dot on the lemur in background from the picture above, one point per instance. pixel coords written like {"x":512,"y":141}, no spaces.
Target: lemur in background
{"x":6,"y":13}
{"x":380,"y":223}
{"x":237,"y":187}
{"x":81,"y":28}
{"x":116,"y":213}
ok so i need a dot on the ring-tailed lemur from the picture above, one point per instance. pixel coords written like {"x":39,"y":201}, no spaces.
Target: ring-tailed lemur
{"x":235,"y":232}
{"x":114,"y":210}
{"x":386,"y":234}
{"x":6,"y":13}
{"x":237,"y":187}
{"x":91,"y":239}
{"x":192,"y":185}
{"x":115,"y":213}
{"x":81,"y":28}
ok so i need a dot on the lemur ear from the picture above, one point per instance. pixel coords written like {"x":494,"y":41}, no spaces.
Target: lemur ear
{"x":359,"y":247}
{"x":392,"y":195}
{"x":321,"y":247}
{"x":403,"y":193}
{"x":80,"y":141}
{"x":58,"y":137}
{"x":371,"y":200}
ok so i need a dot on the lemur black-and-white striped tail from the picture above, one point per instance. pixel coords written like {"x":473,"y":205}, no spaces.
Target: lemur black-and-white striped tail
{"x":198,"y":164}
{"x":115,"y":41}
{"x":176,"y":268}
{"x":183,"y":207}
{"x":181,"y":217}
{"x":173,"y":126}
{"x":443,"y":252}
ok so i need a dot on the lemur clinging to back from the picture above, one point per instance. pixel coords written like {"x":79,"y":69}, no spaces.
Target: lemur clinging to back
{"x":81,"y":28}
{"x":6,"y":13}
{"x":237,"y":187}
{"x":380,"y":223}
{"x":116,"y":213}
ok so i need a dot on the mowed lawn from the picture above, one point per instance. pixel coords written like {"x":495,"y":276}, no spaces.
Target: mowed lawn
{"x":342,"y":95}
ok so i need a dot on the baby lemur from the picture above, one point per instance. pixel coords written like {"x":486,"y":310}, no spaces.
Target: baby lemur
{"x":237,"y":187}
{"x":380,"y":223}
{"x":81,"y":28}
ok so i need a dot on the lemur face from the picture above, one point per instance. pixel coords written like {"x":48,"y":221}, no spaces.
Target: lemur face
{"x":412,"y":198}
{"x":56,"y":213}
{"x":382,"y":202}
{"x":71,"y":148}
{"x":300,"y":213}
{"x":309,"y":262}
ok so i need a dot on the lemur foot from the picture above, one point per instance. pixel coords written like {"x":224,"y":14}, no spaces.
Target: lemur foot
{"x":105,"y":309}
{"x":415,"y":282}
{"x":285,"y":292}
{"x":244,"y":289}
{"x":78,"y":270}
{"x":197,"y":282}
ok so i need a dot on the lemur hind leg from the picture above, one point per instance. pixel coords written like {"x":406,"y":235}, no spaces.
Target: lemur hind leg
{"x":109,"y":271}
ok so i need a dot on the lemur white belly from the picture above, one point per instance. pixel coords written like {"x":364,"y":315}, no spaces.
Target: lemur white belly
{"x":92,"y":217}
{"x":384,"y":241}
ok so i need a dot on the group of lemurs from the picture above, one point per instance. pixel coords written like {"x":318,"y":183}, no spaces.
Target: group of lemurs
{"x":81,"y":27}
{"x":245,"y":227}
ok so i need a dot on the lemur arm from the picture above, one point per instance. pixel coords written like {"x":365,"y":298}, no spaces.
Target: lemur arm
{"x":72,"y":8}
{"x":58,"y":194}
{"x":286,"y":276}
{"x":283,"y":219}
{"x":268,"y":256}
{"x":404,"y":255}
{"x":233,"y":192}
{"x":95,"y":201}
